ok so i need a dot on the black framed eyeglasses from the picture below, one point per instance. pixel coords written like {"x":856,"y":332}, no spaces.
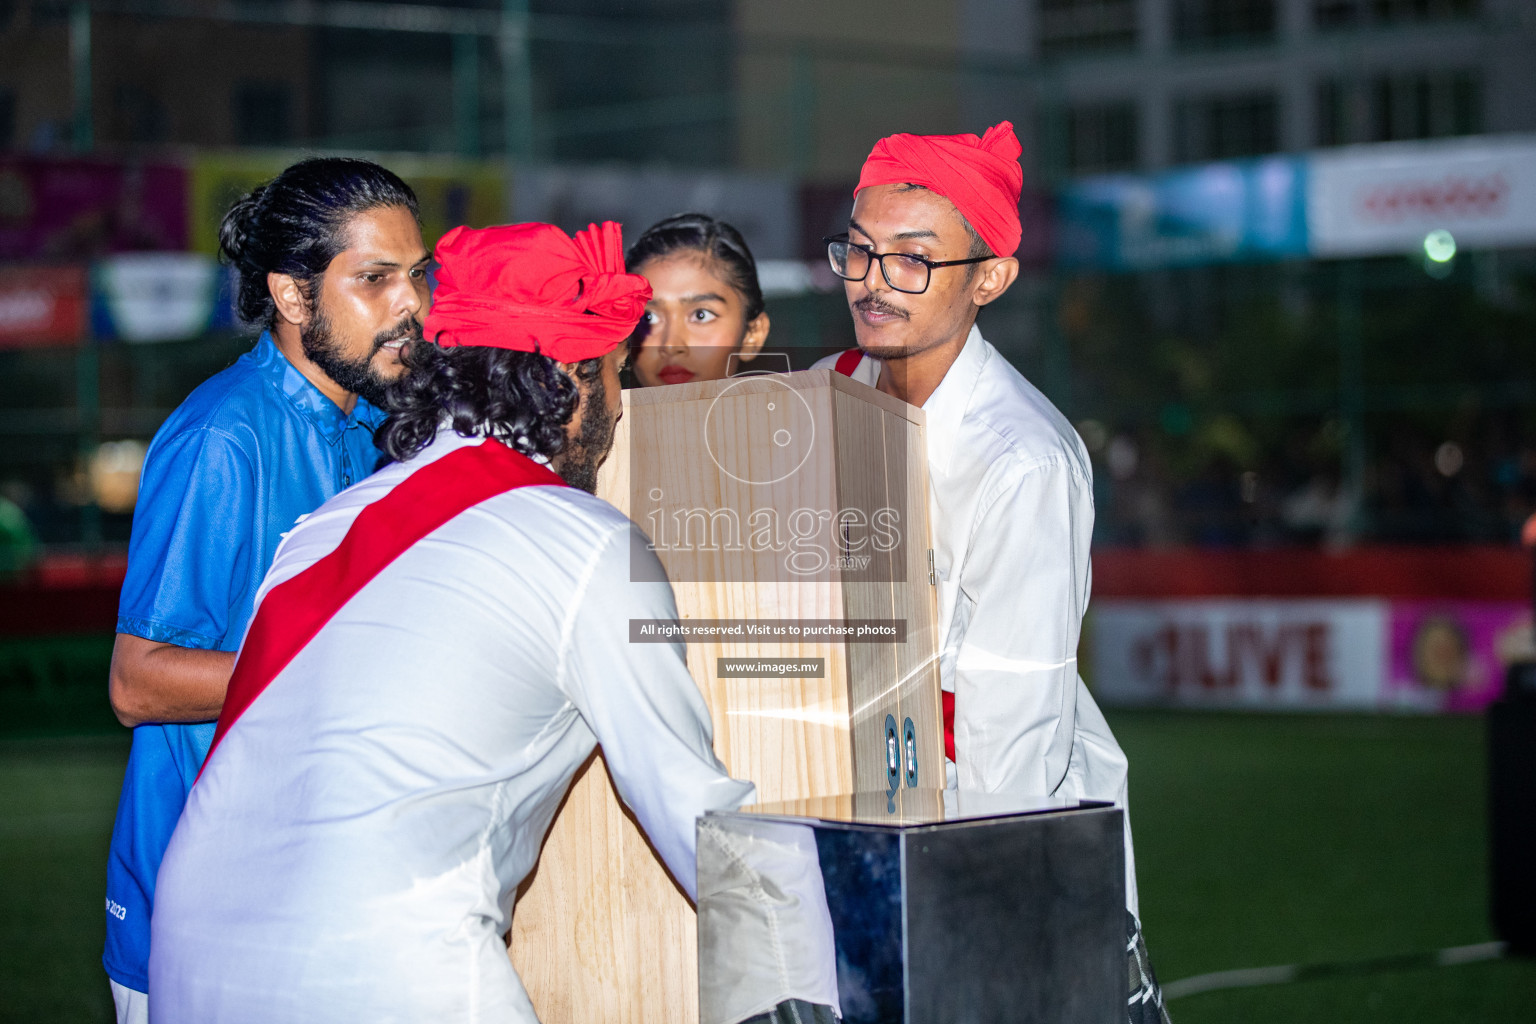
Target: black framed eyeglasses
{"x":904,"y":272}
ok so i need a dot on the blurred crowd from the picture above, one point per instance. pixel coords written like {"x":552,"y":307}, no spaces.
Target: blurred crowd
{"x":1419,"y":490}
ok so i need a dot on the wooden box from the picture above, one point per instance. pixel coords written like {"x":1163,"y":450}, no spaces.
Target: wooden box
{"x":798,"y":500}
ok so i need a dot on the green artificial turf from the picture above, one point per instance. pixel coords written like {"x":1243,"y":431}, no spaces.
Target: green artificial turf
{"x":57,"y":799}
{"x":1265,"y":840}
{"x":1261,"y":840}
{"x":55,"y":685}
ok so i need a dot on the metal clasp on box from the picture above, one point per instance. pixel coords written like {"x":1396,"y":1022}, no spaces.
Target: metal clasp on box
{"x":899,"y":752}
{"x":909,"y":746}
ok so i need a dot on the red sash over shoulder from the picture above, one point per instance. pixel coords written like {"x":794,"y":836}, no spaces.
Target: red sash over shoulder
{"x":296,"y":609}
{"x":848,"y":362}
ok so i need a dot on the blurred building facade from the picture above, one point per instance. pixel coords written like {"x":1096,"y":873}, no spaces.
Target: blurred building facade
{"x":772,"y":85}
{"x":606,"y":82}
{"x":1142,"y":84}
{"x":154,"y":82}
{"x":1120,"y":85}
{"x":1290,"y":399}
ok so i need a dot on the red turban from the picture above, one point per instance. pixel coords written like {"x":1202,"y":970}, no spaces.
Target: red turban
{"x":532,"y":288}
{"x":982,"y":177}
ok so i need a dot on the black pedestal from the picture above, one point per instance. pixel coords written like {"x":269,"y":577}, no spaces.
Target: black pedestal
{"x":1512,"y":819}
{"x":922,"y":907}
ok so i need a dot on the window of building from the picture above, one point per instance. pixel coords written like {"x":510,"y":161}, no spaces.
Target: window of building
{"x":1223,"y":22}
{"x":1086,"y":26}
{"x":1425,"y":106}
{"x":1226,"y":127}
{"x":1335,"y":14}
{"x":138,"y":115}
{"x":1338,"y":110}
{"x":1101,"y":137}
{"x":1388,"y":108}
{"x":263,"y":114}
{"x":7,"y":119}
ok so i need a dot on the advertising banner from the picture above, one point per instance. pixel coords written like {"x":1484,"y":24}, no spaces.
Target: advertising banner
{"x":160,"y":296}
{"x":1453,"y":656}
{"x":1354,"y":654}
{"x":764,"y":208}
{"x":42,"y":306}
{"x":79,"y":209}
{"x":1382,"y":199}
{"x":1289,"y":655}
{"x":1236,"y":211}
{"x":450,"y":192}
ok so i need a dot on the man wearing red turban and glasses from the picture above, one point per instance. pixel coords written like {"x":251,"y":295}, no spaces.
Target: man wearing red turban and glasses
{"x":434,"y":653}
{"x":930,"y":241}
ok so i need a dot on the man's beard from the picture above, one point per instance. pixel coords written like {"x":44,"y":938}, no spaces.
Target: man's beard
{"x":893,"y":355}
{"x":355,"y":375}
{"x":579,"y":460}
{"x":887,"y":352}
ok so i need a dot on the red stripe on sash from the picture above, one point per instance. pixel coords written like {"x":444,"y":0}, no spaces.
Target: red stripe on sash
{"x":949,"y":723}
{"x":848,"y":362}
{"x":296,"y":609}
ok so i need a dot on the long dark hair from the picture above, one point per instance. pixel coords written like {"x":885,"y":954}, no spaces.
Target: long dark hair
{"x":296,"y":224}
{"x":699,"y":232}
{"x":520,"y":398}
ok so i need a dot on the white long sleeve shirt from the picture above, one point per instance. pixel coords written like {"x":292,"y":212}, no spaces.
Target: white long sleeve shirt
{"x":353,"y":847}
{"x":1011,"y":505}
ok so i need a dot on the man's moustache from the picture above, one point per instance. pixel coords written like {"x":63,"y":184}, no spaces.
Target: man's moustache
{"x":409,"y":331}
{"x":873,"y":305}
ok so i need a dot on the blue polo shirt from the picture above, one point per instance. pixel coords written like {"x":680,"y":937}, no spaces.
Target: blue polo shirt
{"x":250,"y":451}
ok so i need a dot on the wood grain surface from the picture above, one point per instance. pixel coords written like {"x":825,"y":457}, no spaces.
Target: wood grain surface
{"x":601,"y":933}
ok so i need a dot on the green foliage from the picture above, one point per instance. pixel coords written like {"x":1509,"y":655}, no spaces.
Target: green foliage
{"x":17,"y":541}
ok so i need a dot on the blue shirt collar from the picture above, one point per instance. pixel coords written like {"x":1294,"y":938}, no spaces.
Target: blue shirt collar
{"x":311,"y":402}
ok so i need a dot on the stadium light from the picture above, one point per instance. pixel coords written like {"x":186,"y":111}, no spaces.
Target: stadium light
{"x":1440,"y":246}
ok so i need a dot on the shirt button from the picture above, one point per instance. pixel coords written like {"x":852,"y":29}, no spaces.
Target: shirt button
{"x":346,"y":481}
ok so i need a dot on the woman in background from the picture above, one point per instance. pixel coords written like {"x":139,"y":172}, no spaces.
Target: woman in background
{"x":706,"y":305}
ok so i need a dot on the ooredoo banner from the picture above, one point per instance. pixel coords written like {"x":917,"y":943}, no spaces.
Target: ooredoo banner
{"x":1383,"y":199}
{"x":1296,"y":654}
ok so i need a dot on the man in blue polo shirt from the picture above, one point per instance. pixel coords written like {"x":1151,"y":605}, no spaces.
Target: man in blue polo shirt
{"x":332,"y":266}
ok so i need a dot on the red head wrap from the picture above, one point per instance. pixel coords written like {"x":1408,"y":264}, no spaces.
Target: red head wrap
{"x":982,"y":177}
{"x":532,"y":288}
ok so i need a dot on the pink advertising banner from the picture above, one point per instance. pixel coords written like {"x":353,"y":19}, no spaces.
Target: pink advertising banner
{"x":1453,"y":655}
{"x":74,"y":210}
